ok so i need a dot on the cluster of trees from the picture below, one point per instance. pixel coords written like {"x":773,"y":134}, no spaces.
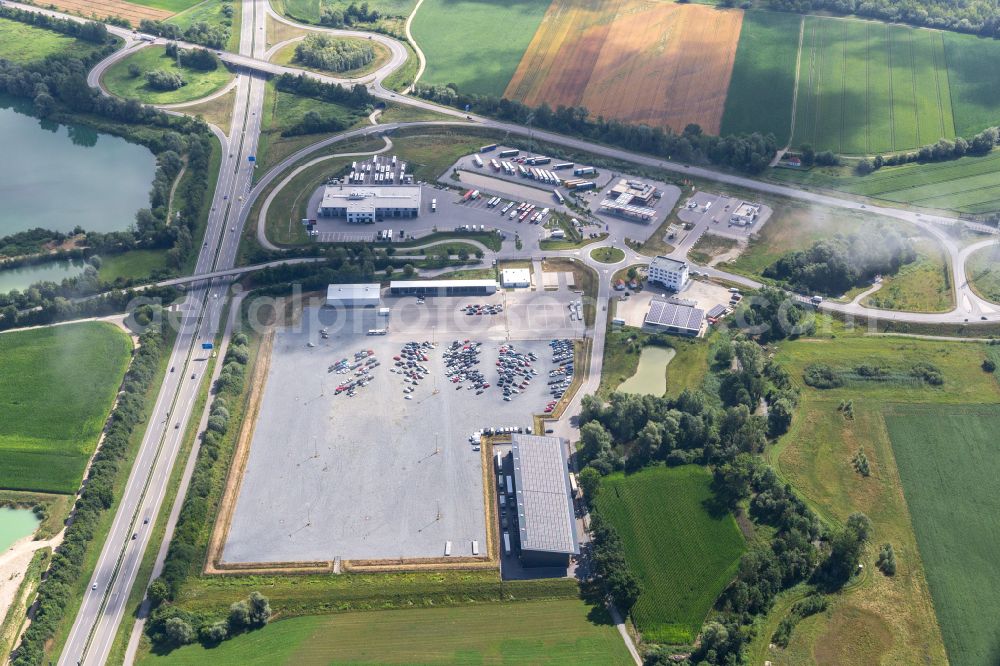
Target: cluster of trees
{"x":823,"y":158}
{"x":45,"y":303}
{"x":313,"y":122}
{"x":201,"y":59}
{"x":90,"y":31}
{"x":980,"y":17}
{"x":334,"y":55}
{"x":352,"y":14}
{"x":171,"y":627}
{"x":356,"y":97}
{"x":811,"y":605}
{"x":206,"y":34}
{"x":187,"y":545}
{"x":609,"y":563}
{"x":886,"y":561}
{"x":32,"y":241}
{"x":772,"y":315}
{"x":981,"y":144}
{"x":833,"y":266}
{"x":161,"y":79}
{"x":67,"y":568}
{"x":745,"y":152}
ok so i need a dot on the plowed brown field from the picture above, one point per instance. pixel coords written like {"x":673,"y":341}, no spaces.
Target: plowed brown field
{"x":640,"y":61}
{"x":104,"y":8}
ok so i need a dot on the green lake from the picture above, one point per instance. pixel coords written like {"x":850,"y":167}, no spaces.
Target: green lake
{"x":15,"y":524}
{"x":650,"y":377}
{"x":61,"y":176}
{"x":51,"y":271}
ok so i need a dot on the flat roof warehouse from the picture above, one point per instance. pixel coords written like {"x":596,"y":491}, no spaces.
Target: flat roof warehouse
{"x":545,"y":515}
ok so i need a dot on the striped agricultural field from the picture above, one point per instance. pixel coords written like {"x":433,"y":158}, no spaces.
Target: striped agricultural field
{"x":869,"y":87}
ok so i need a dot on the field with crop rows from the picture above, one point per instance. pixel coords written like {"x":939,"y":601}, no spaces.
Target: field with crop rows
{"x":57,"y":385}
{"x":965,"y":185}
{"x":475,"y":44}
{"x":972,"y":71}
{"x":763,"y":81}
{"x":867,"y":87}
{"x":658,"y":64}
{"x":110,"y":8}
{"x":948,"y":462}
{"x":682,"y":556}
{"x":539,"y":632}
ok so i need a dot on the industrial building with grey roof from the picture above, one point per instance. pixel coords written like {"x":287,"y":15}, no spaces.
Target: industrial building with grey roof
{"x":545,"y":515}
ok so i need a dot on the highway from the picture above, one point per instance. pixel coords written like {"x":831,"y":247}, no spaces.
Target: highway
{"x":103,"y":608}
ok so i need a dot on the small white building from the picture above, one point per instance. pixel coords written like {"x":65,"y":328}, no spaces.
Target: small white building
{"x":515,"y":278}
{"x":745,"y":214}
{"x":353,"y":295}
{"x":671,"y":273}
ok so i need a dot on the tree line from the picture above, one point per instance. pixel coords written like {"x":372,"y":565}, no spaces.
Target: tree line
{"x":978,"y":17}
{"x":750,"y":153}
{"x":334,"y":55}
{"x":944,"y":149}
{"x":356,"y":97}
{"x":205,"y":34}
{"x":351,"y":15}
{"x":835,"y":265}
{"x":66,"y":572}
{"x":90,"y":31}
{"x":169,"y":625}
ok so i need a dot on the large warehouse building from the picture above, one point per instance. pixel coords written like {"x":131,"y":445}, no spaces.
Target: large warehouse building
{"x":353,"y":295}
{"x":545,"y":516}
{"x":366,"y":203}
{"x":442,"y":287}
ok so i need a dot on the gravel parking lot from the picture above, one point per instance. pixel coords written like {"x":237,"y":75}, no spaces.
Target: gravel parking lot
{"x":383,"y":474}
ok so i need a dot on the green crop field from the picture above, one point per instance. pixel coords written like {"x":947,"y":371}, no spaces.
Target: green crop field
{"x":475,"y":44}
{"x":167,"y":5}
{"x":57,"y":385}
{"x":682,"y":556}
{"x":948,"y":463}
{"x":20,"y":42}
{"x":538,"y":632}
{"x":972,"y":67}
{"x":983,"y":271}
{"x":867,"y":87}
{"x":199,"y":84}
{"x":132,"y":264}
{"x":761,"y":87}
{"x":965,"y":185}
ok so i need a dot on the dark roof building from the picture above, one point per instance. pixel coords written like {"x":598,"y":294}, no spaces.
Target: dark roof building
{"x":545,"y":516}
{"x":674,"y":317}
